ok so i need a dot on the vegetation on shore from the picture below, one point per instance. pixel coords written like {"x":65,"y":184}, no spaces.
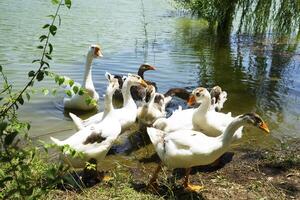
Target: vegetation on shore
{"x":26,"y":173}
{"x":243,"y":173}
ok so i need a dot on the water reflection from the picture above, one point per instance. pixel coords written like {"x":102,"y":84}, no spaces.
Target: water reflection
{"x":256,"y":71}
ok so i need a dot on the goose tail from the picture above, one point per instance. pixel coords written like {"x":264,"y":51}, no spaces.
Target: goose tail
{"x":77,"y":121}
{"x":57,"y":141}
{"x":156,"y":135}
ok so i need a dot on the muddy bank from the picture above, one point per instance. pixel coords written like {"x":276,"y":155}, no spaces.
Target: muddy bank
{"x":246,"y":172}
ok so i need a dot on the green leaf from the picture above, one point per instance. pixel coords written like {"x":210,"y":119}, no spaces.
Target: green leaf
{"x":40,"y":76}
{"x":61,"y":80}
{"x":21,"y":100}
{"x":49,"y":57}
{"x":88,"y":100}
{"x":75,"y":89}
{"x":55,"y":1}
{"x":45,"y":63}
{"x":53,"y":29}
{"x":10,"y":138}
{"x":42,"y":37}
{"x":31,"y":73}
{"x":37,"y":60}
{"x":5,"y":179}
{"x":45,"y":91}
{"x":68,"y":3}
{"x":0,"y":68}
{"x":3,"y":126}
{"x":51,"y":16}
{"x":28,"y":96}
{"x":71,"y":82}
{"x":69,"y":93}
{"x":46,"y":25}
{"x":56,"y":79}
{"x":28,"y":126}
{"x":54,"y":92}
{"x":81,"y":91}
{"x":50,"y":48}
{"x":40,"y":47}
{"x":59,"y":20}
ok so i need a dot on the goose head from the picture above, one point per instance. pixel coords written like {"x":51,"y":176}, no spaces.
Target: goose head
{"x":94,"y":52}
{"x":254,"y":120}
{"x":198,"y":95}
{"x":134,"y":80}
{"x":145,"y":67}
{"x":215,"y":92}
{"x":113,"y":83}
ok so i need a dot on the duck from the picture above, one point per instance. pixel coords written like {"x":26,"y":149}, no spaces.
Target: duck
{"x":153,"y":108}
{"x":138,"y":93}
{"x":218,"y":96}
{"x":183,"y":119}
{"x":126,"y":114}
{"x":189,"y":148}
{"x":76,"y":101}
{"x":207,"y":120}
{"x":94,"y":141}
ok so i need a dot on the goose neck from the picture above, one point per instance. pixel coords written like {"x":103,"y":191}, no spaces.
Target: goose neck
{"x":87,"y":78}
{"x":204,"y":106}
{"x":141,"y":73}
{"x":226,"y":137}
{"x":108,"y":105}
{"x":127,"y":94}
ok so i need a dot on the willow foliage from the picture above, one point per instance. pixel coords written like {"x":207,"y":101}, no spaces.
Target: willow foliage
{"x":248,"y":16}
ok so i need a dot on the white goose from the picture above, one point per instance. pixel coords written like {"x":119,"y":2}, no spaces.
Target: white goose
{"x":153,"y":109}
{"x":126,"y":115}
{"x":94,"y":141}
{"x":188,"y":148}
{"x":183,"y":119}
{"x":218,"y":98}
{"x":207,"y":120}
{"x":77,"y":101}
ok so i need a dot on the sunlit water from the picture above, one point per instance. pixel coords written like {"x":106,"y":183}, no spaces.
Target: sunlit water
{"x":259,"y":75}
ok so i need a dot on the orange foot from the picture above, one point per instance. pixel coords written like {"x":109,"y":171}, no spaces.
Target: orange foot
{"x":194,"y":188}
{"x":107,"y":178}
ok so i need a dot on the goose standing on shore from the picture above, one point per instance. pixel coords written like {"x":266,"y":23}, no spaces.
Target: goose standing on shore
{"x":153,"y":109}
{"x":188,"y":148}
{"x":182,"y":119}
{"x":207,"y":120}
{"x":95,"y":140}
{"x":77,"y":101}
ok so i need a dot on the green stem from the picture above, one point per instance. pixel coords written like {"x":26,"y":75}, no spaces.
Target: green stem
{"x":39,"y":69}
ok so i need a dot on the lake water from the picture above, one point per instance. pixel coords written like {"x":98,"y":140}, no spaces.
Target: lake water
{"x":259,"y":74}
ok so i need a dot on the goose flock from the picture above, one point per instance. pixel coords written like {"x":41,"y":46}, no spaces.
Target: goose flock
{"x":189,"y":137}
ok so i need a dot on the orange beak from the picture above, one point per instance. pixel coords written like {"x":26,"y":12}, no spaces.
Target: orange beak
{"x":264,"y":127}
{"x":151,"y":67}
{"x":98,"y":52}
{"x":191,"y":100}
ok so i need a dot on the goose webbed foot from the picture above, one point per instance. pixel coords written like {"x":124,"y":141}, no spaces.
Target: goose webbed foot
{"x":190,"y":187}
{"x":193,"y":188}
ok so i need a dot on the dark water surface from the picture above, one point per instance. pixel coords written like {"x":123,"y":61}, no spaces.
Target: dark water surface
{"x":259,"y":74}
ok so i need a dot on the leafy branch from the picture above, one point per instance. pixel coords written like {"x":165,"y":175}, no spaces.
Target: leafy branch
{"x":39,"y":73}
